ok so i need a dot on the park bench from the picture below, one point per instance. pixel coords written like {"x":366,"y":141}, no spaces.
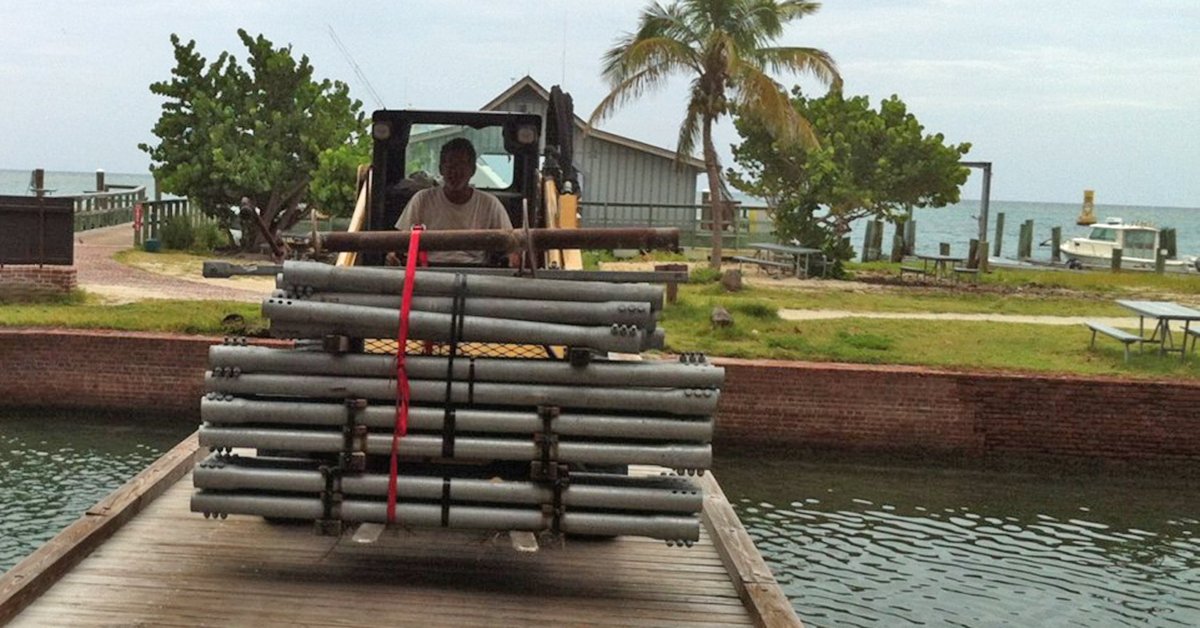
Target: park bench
{"x":915,"y":270}
{"x":1119,"y":335}
{"x":971,"y":274}
{"x":765,"y":264}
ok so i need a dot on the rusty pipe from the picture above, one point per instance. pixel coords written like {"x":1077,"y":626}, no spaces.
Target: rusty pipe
{"x":500,"y":240}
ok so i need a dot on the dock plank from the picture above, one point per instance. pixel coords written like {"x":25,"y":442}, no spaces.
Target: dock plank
{"x":169,"y":566}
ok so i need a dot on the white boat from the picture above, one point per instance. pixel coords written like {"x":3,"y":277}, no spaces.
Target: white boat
{"x":1137,"y":242}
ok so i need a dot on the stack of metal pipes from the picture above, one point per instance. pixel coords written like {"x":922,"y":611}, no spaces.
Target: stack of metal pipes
{"x":491,"y":443}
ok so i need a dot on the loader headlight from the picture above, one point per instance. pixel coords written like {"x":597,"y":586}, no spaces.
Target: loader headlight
{"x":381,"y":130}
{"x":527,"y":134}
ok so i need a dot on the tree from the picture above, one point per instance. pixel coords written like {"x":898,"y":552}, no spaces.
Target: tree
{"x":869,"y":163}
{"x":724,"y":46}
{"x":333,"y":189}
{"x":228,"y":131}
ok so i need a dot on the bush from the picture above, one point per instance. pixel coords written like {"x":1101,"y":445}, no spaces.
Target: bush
{"x":704,"y":274}
{"x":179,"y":233}
{"x":208,"y":236}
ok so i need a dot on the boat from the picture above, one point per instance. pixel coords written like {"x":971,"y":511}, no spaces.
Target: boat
{"x":1137,"y":241}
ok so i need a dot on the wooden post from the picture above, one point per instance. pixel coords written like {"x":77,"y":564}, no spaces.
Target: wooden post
{"x":39,"y":182}
{"x":898,"y":245}
{"x":910,"y":237}
{"x":1025,"y":240}
{"x":672,"y":286}
{"x":982,"y":262}
{"x":999,"y":234}
{"x":1167,"y":241}
{"x":943,"y":248}
{"x":1160,"y":261}
{"x":877,"y":241}
{"x":868,"y":239}
{"x":973,"y":253}
{"x":1055,"y":241}
{"x":100,"y":187}
{"x":1116,"y":260}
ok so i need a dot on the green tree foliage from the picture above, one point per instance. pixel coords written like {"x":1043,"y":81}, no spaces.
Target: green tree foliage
{"x":870,"y":162}
{"x":257,"y":130}
{"x":332,"y":190}
{"x":724,"y":46}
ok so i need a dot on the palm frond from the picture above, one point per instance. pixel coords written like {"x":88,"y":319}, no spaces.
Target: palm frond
{"x":758,"y":95}
{"x":691,"y":124}
{"x":799,"y":60}
{"x":628,"y":89}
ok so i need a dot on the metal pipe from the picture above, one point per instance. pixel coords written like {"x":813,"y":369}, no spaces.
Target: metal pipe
{"x":673,"y":494}
{"x":643,"y":374}
{"x":686,"y":401}
{"x":501,"y":240}
{"x":293,"y":318}
{"x":676,"y":456}
{"x":562,"y":312}
{"x":668,"y":527}
{"x":326,"y":278}
{"x":238,"y":411}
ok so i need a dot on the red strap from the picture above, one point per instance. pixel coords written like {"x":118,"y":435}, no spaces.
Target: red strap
{"x":402,"y":391}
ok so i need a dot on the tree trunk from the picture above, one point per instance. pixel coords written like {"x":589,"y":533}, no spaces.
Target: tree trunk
{"x":715,"y":198}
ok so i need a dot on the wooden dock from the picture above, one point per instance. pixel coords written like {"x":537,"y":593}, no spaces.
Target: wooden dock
{"x":140,"y":557}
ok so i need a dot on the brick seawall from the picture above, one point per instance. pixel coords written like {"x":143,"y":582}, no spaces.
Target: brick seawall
{"x":31,"y":281}
{"x":765,"y":404}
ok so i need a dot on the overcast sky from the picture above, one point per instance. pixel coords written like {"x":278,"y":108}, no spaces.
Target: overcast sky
{"x":1060,"y":95}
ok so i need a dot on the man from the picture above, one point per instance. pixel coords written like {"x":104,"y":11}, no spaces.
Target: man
{"x":454,"y":205}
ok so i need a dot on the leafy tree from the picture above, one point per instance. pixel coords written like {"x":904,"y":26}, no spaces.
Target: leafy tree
{"x":869,"y":162}
{"x":332,"y":189}
{"x":724,"y":46}
{"x":229,"y":131}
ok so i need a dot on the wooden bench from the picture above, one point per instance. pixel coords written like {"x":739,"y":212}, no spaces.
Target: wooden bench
{"x":970,"y":273}
{"x":1119,"y":335}
{"x":1194,"y":332}
{"x":765,"y":264}
{"x":916,"y":270}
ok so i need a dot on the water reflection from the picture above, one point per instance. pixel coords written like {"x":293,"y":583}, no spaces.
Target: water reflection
{"x":855,"y":545}
{"x":53,"y":468}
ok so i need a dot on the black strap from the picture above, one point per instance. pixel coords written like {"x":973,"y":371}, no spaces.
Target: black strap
{"x":456,"y":330}
{"x":471,"y":383}
{"x":445,"y":502}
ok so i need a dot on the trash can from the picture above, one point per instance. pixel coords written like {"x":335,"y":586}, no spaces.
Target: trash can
{"x":151,"y":245}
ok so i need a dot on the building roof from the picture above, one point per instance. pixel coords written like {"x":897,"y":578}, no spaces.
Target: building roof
{"x":527,"y":82}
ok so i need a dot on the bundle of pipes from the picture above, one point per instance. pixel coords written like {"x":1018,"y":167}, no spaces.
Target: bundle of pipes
{"x":324,"y":422}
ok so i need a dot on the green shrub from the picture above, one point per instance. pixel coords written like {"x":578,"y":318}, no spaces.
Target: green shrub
{"x":704,"y":274}
{"x":208,"y":236}
{"x":179,"y":233}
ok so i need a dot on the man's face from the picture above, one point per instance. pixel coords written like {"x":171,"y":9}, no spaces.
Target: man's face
{"x":456,"y":168}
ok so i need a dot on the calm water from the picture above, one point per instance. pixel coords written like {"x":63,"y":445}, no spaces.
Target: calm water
{"x":957,"y":224}
{"x":70,"y":183}
{"x":855,"y":545}
{"x":53,"y":468}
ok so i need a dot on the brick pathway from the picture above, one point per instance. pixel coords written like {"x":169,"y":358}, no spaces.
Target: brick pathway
{"x":99,"y":273}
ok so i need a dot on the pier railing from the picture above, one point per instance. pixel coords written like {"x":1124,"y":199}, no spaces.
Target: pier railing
{"x":750,"y":225}
{"x":154,"y":215}
{"x":105,"y":209}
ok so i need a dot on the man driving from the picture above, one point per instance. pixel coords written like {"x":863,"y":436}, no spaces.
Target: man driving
{"x":454,"y":205}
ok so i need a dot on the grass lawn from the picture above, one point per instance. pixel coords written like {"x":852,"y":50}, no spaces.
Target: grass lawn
{"x":187,"y":317}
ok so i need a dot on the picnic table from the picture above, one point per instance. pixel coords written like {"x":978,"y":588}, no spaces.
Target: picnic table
{"x":773,"y":257}
{"x":942,"y":264}
{"x":1163,"y":313}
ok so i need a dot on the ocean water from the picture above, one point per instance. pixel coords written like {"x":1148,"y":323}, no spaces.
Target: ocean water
{"x":958,"y":224}
{"x":862,"y":543}
{"x":16,"y":182}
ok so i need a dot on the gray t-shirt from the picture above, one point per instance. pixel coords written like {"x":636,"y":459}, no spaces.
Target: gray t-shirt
{"x":431,"y":208}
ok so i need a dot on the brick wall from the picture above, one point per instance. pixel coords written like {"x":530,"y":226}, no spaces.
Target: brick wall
{"x":25,"y":281}
{"x":783,"y":405}
{"x":909,"y":409}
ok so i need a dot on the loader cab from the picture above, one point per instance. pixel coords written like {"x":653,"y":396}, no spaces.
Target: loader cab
{"x":407,"y":145}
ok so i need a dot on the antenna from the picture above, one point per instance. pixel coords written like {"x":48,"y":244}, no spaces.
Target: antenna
{"x":354,"y":64}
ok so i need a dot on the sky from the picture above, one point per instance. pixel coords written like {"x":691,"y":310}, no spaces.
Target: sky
{"x":1060,"y":95}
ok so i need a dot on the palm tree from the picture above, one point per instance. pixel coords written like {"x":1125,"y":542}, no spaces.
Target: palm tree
{"x":725,"y":46}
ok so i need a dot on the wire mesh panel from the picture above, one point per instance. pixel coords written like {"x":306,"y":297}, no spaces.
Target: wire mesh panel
{"x":469,"y":349}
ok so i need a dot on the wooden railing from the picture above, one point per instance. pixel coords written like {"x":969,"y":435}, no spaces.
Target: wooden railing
{"x":105,"y":209}
{"x":155,"y":215}
{"x":751,"y":224}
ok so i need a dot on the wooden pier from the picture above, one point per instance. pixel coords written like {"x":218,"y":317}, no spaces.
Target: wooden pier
{"x":140,"y":557}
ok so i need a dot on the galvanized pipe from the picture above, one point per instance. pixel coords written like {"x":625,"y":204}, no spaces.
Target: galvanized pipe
{"x":501,"y":240}
{"x":238,"y":411}
{"x":652,"y":494}
{"x":676,"y":456}
{"x":327,"y":278}
{"x":561,"y":312}
{"x":643,"y":374}
{"x":686,"y":401}
{"x":295,"y":318}
{"x":667,"y":527}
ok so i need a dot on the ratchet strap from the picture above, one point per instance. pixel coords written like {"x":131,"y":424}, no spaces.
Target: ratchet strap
{"x":402,"y":389}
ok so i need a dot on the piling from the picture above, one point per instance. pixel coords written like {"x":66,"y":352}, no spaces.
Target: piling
{"x":999,"y":234}
{"x":973,"y":253}
{"x":1160,"y":261}
{"x":1055,"y":241}
{"x":943,"y":248}
{"x":877,"y":240}
{"x":39,"y":182}
{"x":1167,"y":241}
{"x":868,"y":238}
{"x":1116,"y":260}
